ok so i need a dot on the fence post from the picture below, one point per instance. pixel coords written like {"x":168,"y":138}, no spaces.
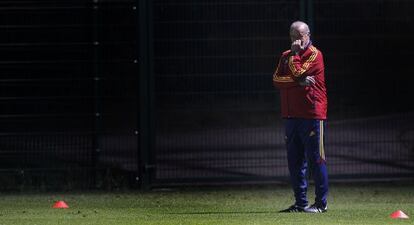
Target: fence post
{"x":97,"y":95}
{"x":146,"y":133}
{"x":302,"y":10}
{"x":306,"y":12}
{"x":309,"y":14}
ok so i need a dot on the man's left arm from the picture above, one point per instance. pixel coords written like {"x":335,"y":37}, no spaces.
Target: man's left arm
{"x":301,"y":70}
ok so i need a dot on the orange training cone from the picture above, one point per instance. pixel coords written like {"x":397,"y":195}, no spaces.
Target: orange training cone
{"x":60,"y":205}
{"x":399,"y":215}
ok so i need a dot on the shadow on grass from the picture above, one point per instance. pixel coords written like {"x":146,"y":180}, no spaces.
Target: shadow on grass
{"x":216,"y":213}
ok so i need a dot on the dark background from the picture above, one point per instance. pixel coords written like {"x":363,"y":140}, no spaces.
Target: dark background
{"x":111,"y":94}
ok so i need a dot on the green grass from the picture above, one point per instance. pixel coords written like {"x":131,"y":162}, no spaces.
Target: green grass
{"x":348,"y":204}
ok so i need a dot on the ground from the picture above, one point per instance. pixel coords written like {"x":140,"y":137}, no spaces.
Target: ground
{"x":348,"y":204}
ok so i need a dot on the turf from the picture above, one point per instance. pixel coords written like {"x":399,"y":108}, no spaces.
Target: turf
{"x":349,"y":204}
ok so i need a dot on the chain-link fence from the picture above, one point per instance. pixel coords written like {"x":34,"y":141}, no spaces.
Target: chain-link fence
{"x":219,"y":116}
{"x":107,"y":94}
{"x":68,"y":104}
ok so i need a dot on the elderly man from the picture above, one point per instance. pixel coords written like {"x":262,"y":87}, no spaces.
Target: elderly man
{"x":300,"y":78}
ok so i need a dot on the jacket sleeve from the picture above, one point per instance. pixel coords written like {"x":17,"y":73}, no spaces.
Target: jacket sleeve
{"x":299,"y":69}
{"x":282,"y":81}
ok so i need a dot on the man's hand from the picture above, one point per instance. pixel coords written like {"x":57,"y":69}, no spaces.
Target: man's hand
{"x":296,"y":46}
{"x":308,"y":81}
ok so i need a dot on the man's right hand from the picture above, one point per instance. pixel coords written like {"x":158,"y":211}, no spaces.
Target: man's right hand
{"x":296,"y":46}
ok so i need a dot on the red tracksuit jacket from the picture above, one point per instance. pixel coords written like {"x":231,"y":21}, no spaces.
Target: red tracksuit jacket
{"x":307,"y":102}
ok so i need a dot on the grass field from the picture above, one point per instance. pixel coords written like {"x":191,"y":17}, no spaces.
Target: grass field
{"x":349,"y":204}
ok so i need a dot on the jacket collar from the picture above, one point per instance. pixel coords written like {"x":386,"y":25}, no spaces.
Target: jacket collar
{"x":306,"y":47}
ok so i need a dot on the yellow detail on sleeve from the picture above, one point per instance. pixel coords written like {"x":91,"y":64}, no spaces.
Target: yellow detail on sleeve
{"x":305,"y":66}
{"x":282,"y":78}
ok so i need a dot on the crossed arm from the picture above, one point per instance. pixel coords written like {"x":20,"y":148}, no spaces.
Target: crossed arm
{"x":286,"y":81}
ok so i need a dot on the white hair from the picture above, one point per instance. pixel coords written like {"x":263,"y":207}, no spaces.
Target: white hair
{"x":300,"y":26}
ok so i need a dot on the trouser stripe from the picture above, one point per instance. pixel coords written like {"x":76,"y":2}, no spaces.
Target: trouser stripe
{"x":321,"y":144}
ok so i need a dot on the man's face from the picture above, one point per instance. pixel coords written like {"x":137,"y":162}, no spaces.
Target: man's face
{"x":299,"y":35}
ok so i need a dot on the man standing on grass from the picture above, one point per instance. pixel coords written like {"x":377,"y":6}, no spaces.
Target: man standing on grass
{"x":301,"y":80}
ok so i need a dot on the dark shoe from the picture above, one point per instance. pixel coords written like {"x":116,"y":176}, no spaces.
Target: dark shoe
{"x":293,"y":209}
{"x":315,"y":208}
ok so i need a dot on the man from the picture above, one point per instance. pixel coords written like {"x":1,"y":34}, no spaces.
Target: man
{"x":301,"y":81}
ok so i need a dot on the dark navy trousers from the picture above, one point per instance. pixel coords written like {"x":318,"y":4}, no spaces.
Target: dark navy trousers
{"x":305,"y":148}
